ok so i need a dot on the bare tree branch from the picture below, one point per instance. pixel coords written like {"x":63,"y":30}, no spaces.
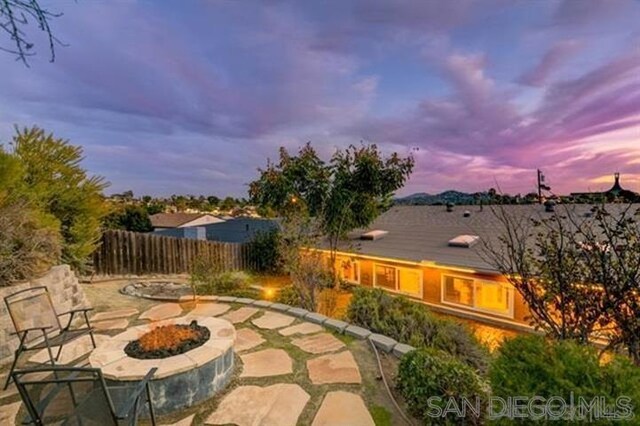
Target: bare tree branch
{"x":15,"y":16}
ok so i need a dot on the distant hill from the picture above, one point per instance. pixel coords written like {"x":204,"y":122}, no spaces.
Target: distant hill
{"x":451,"y":196}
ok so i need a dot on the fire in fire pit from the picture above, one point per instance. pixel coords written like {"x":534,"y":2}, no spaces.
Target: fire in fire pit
{"x":168,"y":340}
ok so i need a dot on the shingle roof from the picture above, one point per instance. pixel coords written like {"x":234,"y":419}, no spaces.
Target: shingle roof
{"x":173,"y":220}
{"x":422,"y":233}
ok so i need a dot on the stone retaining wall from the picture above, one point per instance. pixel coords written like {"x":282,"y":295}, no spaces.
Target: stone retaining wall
{"x":66,"y":294}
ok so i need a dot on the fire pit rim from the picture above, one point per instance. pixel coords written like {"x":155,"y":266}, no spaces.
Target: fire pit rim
{"x":117,"y":365}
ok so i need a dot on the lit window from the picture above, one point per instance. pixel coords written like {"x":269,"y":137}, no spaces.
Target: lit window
{"x":386,"y":277}
{"x":493,"y":297}
{"x":409,"y":281}
{"x":487,"y":296}
{"x":458,"y":290}
{"x":349,"y":270}
{"x":403,"y":280}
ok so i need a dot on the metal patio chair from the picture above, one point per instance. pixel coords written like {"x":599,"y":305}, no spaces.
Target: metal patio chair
{"x":80,"y":396}
{"x":37,"y":324}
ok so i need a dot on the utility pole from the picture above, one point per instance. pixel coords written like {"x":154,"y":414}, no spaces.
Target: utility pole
{"x":541,"y":186}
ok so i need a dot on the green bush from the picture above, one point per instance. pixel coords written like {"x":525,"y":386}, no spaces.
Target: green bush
{"x":265,"y":251}
{"x":428,"y":373}
{"x":533,"y":366}
{"x":29,"y":237}
{"x":207,"y":278}
{"x":289,"y":296}
{"x":412,"y":323}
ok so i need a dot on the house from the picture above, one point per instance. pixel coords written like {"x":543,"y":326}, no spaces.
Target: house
{"x":239,"y":230}
{"x":434,"y":255}
{"x":182,"y":220}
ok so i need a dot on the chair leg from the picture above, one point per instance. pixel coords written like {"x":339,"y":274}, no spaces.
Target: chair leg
{"x":60,"y":347}
{"x":16,"y":355}
{"x":86,"y":319}
{"x":152,"y":413}
{"x":13,"y":366}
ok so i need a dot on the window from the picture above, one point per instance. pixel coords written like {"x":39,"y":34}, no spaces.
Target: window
{"x":386,"y":277}
{"x":494,"y":297}
{"x":403,"y":280}
{"x":458,"y":290}
{"x":349,"y":270}
{"x":409,"y":281}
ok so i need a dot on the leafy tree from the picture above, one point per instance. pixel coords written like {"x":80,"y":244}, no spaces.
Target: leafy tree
{"x":347,"y":193}
{"x":57,"y":185}
{"x":213,"y":200}
{"x":29,"y":239}
{"x":228,"y":203}
{"x":131,"y":218}
{"x":155,"y":208}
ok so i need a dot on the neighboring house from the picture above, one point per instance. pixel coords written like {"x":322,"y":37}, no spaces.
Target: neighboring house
{"x":182,"y":220}
{"x":435,"y":256}
{"x":239,"y":230}
{"x":195,"y":233}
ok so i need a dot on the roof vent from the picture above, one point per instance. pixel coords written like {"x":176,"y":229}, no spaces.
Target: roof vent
{"x":450,"y":207}
{"x":373,"y":235}
{"x":466,"y":213}
{"x":465,"y":241}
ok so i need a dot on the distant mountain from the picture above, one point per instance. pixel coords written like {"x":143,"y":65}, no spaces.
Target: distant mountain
{"x":451,"y":196}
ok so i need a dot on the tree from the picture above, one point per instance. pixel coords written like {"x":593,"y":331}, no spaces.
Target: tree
{"x":540,"y":258}
{"x":228,"y":203}
{"x":29,"y":239}
{"x":58,"y":186}
{"x":15,"y":16}
{"x":578,"y":272}
{"x":347,"y":193}
{"x":610,"y":244}
{"x":131,"y":218}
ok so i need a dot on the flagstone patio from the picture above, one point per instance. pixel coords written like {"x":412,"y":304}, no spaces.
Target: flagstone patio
{"x":289,"y":371}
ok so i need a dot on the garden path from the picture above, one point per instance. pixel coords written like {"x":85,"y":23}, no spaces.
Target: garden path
{"x":289,"y":371}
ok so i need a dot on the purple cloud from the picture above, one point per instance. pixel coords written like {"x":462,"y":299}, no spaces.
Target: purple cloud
{"x":193,"y":98}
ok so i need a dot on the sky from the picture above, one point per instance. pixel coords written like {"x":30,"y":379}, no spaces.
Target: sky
{"x":192,"y":97}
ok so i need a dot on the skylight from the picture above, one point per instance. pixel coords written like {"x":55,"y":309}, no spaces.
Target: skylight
{"x":465,"y":241}
{"x":373,"y":235}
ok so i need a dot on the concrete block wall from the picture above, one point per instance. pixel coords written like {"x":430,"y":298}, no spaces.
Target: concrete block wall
{"x":66,"y":294}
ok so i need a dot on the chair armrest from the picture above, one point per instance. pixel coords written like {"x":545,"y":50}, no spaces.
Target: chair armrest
{"x":133,"y":397}
{"x":73,"y":311}
{"x":27,"y":330}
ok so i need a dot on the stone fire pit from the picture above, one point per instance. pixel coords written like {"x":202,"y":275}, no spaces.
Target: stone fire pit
{"x":181,"y":380}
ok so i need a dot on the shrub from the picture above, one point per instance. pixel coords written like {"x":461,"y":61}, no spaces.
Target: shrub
{"x":29,"y":238}
{"x":429,"y":373}
{"x":27,"y":248}
{"x":56,"y":184}
{"x":533,"y":366}
{"x":265,"y":251}
{"x":207,"y":278}
{"x":412,"y":323}
{"x":289,"y":296}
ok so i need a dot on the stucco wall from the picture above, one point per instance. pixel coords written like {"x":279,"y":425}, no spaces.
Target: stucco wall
{"x":66,"y":294}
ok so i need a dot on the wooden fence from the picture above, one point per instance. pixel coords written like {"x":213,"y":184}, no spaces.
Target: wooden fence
{"x":133,"y":253}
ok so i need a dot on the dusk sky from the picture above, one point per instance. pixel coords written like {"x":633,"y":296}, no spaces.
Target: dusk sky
{"x":192,"y":97}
